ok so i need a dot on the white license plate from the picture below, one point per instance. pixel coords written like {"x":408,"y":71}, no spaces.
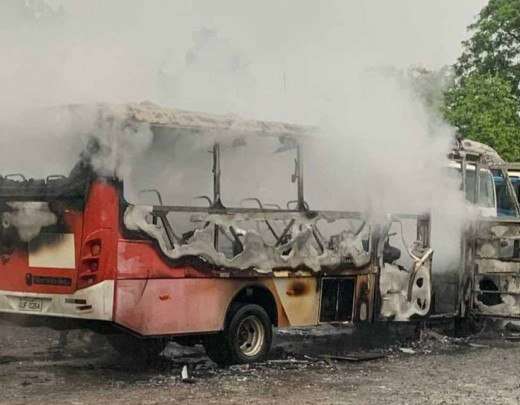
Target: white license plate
{"x":30,"y":304}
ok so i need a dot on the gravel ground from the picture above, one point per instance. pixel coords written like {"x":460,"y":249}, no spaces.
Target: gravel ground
{"x":432,"y":369}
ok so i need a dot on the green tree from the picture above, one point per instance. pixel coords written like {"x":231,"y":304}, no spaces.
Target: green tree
{"x":485,"y":108}
{"x":484,"y":101}
{"x":494,"y":47}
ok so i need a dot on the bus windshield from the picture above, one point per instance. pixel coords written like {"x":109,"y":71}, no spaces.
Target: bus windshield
{"x":486,"y":197}
{"x":505,"y":205}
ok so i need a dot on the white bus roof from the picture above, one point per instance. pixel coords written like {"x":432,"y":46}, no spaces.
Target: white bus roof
{"x":478,"y":151}
{"x":197,"y":122}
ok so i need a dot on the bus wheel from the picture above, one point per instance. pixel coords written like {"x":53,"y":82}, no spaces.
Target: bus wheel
{"x":133,"y":348}
{"x":246,"y":339}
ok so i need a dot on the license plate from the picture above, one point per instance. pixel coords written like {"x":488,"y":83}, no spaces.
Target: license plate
{"x":30,"y":304}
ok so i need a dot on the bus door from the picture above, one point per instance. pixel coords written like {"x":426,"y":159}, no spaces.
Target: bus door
{"x":405,"y":262}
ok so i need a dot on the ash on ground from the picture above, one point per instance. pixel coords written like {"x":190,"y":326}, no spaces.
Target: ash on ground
{"x":377,"y":364}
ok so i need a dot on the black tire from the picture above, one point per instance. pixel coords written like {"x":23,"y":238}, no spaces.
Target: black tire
{"x":246,"y":338}
{"x":135,"y":349}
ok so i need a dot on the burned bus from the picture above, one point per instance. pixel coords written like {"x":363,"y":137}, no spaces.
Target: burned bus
{"x":215,"y":269}
{"x":488,"y":275}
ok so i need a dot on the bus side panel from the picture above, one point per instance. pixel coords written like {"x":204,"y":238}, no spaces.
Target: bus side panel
{"x":138,"y":259}
{"x":198,"y":305}
{"x":153,"y":298}
{"x":174,"y":306}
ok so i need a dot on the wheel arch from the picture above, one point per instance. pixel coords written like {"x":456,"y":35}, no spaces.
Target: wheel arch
{"x":255,"y":294}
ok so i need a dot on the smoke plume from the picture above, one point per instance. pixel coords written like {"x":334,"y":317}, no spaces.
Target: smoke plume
{"x":378,"y":148}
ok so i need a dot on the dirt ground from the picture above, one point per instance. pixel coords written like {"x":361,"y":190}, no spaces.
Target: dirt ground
{"x":35,"y":367}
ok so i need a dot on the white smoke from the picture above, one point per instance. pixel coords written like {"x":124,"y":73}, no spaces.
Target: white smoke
{"x":311,"y":62}
{"x":28,"y":218}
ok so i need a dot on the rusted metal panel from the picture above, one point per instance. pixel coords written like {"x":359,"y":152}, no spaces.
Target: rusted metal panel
{"x":298,"y":247}
{"x":490,"y":266}
{"x":498,"y":229}
{"x":364,"y":298}
{"x":494,"y":260}
{"x":497,"y":295}
{"x":299,"y":298}
{"x":502,"y":248}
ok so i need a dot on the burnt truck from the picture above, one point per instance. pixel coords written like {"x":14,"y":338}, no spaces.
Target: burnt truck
{"x":219,"y":270}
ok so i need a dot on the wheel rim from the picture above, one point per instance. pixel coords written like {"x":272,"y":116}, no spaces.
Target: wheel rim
{"x":251,"y":336}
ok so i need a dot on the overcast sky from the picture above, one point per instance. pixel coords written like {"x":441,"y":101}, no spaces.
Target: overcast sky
{"x":226,"y":55}
{"x":304,"y":61}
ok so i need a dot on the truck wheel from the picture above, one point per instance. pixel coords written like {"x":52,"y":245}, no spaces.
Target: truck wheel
{"x":133,"y":348}
{"x":246,"y":339}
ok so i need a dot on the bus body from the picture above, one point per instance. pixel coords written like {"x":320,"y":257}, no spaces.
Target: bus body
{"x":490,"y":260}
{"x":74,"y":248}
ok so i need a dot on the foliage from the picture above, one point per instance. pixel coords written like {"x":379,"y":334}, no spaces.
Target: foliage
{"x":494,"y":47}
{"x":485,"y":108}
{"x":484,"y":101}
